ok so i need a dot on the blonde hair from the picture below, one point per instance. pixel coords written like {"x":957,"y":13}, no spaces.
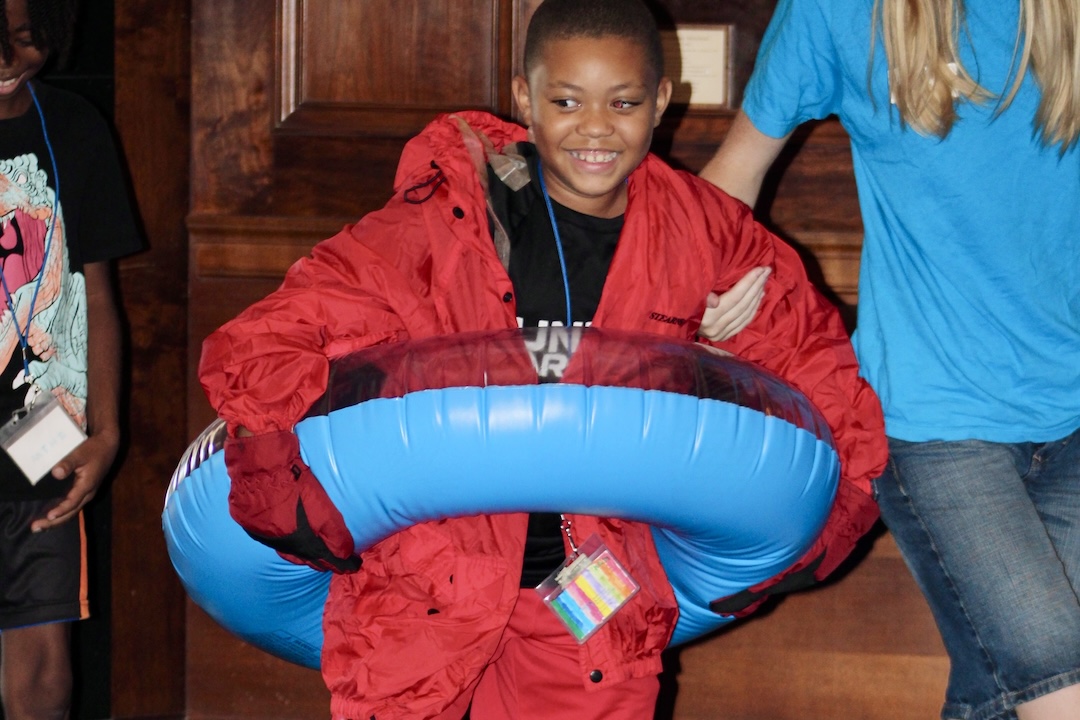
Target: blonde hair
{"x":927,"y":79}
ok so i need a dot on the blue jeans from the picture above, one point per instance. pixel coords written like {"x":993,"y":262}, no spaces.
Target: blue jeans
{"x":991,"y":533}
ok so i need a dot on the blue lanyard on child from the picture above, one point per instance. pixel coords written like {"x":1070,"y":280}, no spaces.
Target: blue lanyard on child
{"x":24,"y":335}
{"x":565,"y":523}
{"x":558,"y":242}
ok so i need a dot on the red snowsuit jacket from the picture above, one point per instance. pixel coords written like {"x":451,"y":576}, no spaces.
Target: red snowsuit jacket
{"x":413,"y":629}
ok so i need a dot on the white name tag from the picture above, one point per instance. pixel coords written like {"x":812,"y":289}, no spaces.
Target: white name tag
{"x":40,"y":436}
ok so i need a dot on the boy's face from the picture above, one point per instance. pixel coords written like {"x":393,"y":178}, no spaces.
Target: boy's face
{"x":591,"y":105}
{"x":26,"y":61}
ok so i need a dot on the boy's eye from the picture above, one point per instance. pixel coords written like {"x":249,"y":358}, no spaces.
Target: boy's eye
{"x":567,"y":103}
{"x":625,"y":104}
{"x":23,"y":40}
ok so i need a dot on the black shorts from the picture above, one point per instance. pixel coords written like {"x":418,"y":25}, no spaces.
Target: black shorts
{"x":42,"y":575}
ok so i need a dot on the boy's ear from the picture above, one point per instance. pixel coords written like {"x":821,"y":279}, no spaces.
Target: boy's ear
{"x":519,"y":88}
{"x":663,"y":97}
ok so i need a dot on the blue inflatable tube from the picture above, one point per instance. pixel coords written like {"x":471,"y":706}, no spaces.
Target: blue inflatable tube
{"x":734,"y":470}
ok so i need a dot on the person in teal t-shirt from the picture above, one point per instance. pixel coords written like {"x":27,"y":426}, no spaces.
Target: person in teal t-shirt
{"x":968,"y":171}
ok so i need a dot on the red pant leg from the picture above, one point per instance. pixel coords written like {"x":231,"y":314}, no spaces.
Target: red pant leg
{"x":536,"y":675}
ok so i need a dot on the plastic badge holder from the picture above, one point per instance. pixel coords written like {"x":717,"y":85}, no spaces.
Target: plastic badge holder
{"x":588,"y":589}
{"x":40,"y":436}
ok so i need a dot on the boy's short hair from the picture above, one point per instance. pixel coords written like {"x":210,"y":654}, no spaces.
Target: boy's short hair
{"x":569,"y":19}
{"x":52,"y":26}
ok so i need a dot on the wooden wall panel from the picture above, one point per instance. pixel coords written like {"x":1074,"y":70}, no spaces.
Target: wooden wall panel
{"x":280,"y":129}
{"x":365,"y":68}
{"x":861,"y":646}
{"x":152,"y":118}
{"x":229,"y":679}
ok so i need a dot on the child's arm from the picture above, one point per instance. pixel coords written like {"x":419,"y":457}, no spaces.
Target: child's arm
{"x":263,"y":370}
{"x":92,"y":459}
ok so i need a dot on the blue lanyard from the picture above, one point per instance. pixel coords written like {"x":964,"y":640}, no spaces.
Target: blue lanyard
{"x":558,"y":242}
{"x":24,"y":335}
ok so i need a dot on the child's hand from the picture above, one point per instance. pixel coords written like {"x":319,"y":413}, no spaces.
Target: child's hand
{"x":89,"y":462}
{"x":727,"y":314}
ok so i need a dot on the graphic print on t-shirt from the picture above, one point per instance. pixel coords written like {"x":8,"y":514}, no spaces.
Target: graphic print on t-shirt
{"x":550,"y":347}
{"x":37,"y":280}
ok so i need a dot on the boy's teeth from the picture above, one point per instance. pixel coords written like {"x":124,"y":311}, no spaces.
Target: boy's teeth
{"x":594,"y":156}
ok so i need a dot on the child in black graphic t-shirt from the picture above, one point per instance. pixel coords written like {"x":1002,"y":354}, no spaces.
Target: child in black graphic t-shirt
{"x":64,"y":216}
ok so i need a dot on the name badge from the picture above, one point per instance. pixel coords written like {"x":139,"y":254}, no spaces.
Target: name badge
{"x":39,"y":436}
{"x":588,"y":589}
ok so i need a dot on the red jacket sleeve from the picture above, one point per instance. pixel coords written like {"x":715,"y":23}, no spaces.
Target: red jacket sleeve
{"x":799,"y":335}
{"x":265,"y":368}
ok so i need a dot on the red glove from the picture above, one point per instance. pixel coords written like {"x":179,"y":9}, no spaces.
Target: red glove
{"x":279,"y":502}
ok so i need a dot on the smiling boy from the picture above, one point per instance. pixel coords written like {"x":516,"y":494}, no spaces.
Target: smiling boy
{"x":591,"y":105}
{"x":570,"y":221}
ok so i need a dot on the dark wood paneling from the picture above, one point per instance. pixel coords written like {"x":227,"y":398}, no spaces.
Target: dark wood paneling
{"x":232,"y":97}
{"x":863,"y":646}
{"x":302,"y":108}
{"x":381,"y":53}
{"x":229,"y":679}
{"x":152,"y":105}
{"x":365,"y":68}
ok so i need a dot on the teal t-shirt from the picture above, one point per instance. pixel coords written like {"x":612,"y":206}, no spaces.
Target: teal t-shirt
{"x":969,"y":290}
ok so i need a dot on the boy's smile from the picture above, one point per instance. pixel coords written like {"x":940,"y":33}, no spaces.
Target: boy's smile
{"x":25,"y":62}
{"x":591,"y":105}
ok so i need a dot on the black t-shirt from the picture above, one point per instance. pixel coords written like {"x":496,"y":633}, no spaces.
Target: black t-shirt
{"x":94,"y":224}
{"x":588,"y":245}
